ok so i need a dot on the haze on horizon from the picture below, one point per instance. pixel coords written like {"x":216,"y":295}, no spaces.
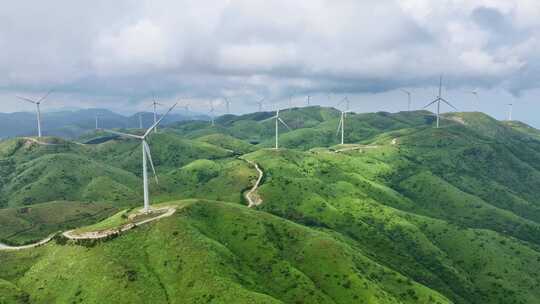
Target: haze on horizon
{"x":117,"y":54}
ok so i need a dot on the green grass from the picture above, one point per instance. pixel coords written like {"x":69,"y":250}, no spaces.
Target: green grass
{"x":211,"y":251}
{"x":29,"y":224}
{"x":425,"y":215}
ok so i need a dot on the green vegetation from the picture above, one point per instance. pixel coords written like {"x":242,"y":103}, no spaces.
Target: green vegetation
{"x":29,"y":224}
{"x":405,"y":214}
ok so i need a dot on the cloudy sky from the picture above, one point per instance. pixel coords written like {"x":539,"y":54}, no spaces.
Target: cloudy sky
{"x":116,"y":54}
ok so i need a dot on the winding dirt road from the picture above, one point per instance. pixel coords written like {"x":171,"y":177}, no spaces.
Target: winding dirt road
{"x":100,"y":234}
{"x":358,"y":147}
{"x":93,"y":235}
{"x":253,"y":198}
{"x":37,"y":244}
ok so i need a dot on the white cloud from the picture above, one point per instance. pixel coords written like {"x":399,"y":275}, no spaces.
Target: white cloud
{"x":143,"y":45}
{"x":126,"y":49}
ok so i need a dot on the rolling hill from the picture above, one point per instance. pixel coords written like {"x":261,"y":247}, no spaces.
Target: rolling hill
{"x":404,"y":213}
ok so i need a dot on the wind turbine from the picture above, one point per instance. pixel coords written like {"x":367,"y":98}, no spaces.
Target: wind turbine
{"x":260,"y":103}
{"x":97,"y":120}
{"x":308,"y":100}
{"x":438,"y":101}
{"x":510,"y":107}
{"x":228,"y":105}
{"x":147,"y":156}
{"x":408,"y":99}
{"x":341,"y":125}
{"x":38,"y":110}
{"x":347,"y":103}
{"x":278,"y":120}
{"x":211,"y":112}
{"x":154,"y":105}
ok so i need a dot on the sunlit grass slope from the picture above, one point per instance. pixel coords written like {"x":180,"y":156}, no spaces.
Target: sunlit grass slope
{"x":212,"y":252}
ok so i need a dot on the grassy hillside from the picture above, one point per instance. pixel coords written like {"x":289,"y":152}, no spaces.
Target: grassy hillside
{"x":212,"y":252}
{"x":404,"y":213}
{"x":29,"y":224}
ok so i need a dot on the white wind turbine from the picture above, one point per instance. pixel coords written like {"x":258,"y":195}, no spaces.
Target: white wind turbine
{"x":154,"y":105}
{"x":97,"y":121}
{"x":510,"y":108}
{"x":341,"y":125}
{"x":278,"y":120}
{"x":408,"y":99}
{"x":147,"y":156}
{"x":38,"y":110}
{"x":438,"y":101}
{"x":346,"y":101}
{"x":211,"y":112}
{"x":228,"y":105}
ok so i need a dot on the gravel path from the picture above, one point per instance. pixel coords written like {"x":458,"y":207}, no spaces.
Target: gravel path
{"x":42,"y":242}
{"x":92,"y":235}
{"x":252,"y":196}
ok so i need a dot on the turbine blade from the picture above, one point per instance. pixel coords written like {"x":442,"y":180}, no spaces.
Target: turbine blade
{"x":147,"y":151}
{"x":448,"y":103}
{"x":45,"y":96}
{"x":27,"y":99}
{"x":431,"y":103}
{"x":157,"y":122}
{"x":124,"y":134}
{"x":281,"y":120}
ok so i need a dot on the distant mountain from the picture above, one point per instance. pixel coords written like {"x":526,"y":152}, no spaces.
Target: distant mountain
{"x":72,"y":124}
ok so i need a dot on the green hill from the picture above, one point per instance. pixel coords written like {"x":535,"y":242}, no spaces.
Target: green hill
{"x":29,"y":224}
{"x":404,"y":213}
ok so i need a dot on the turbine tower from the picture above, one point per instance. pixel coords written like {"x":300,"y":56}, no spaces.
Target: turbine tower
{"x":308,"y":100}
{"x":147,"y":157}
{"x":438,"y":101}
{"x":140,"y":121}
{"x":38,"y":110}
{"x":279,"y":120}
{"x":154,"y":105}
{"x":408,"y":99}
{"x":211,"y":112}
{"x":510,"y":108}
{"x":97,"y":121}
